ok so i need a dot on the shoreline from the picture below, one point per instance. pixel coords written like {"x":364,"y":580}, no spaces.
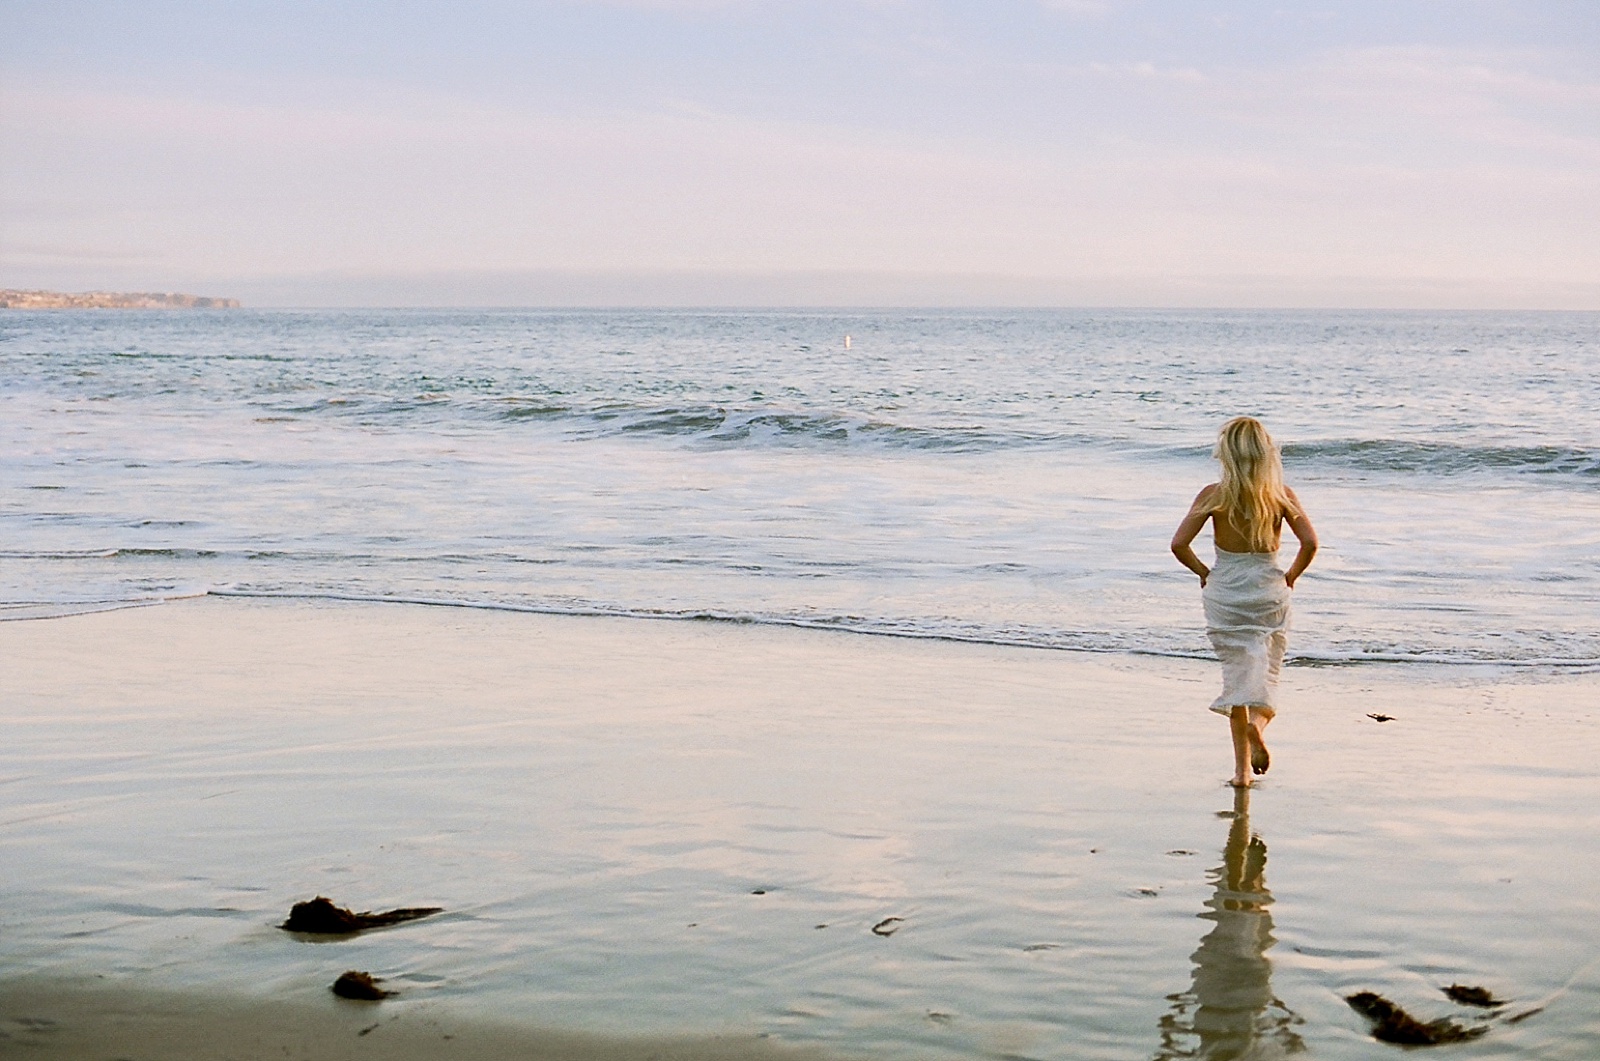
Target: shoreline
{"x":1407,"y":666}
{"x":656,"y":829}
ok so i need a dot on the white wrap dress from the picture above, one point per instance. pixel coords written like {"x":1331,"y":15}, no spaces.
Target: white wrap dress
{"x":1247,"y":619}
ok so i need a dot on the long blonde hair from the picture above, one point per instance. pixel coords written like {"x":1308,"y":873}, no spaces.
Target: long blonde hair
{"x":1251,"y":494}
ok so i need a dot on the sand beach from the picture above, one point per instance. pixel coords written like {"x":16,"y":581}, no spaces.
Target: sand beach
{"x":676,"y":838}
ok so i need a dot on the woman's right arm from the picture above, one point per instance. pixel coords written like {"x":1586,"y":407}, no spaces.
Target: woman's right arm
{"x":1191,"y":526}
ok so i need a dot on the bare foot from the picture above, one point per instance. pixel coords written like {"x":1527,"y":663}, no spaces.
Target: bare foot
{"x":1260,"y":761}
{"x":1241,"y":782}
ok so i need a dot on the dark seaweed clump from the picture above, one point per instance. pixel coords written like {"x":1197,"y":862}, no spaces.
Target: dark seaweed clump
{"x":1472,"y":996}
{"x":362,"y":987}
{"x":1391,"y":1024}
{"x":320,"y":915}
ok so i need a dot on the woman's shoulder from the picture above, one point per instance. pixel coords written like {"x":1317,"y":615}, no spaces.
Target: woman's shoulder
{"x":1206,"y":498}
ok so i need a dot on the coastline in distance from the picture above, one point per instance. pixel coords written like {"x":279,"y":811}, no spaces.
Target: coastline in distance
{"x":12,"y":299}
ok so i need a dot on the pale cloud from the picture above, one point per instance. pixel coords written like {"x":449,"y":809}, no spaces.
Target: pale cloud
{"x":1478,"y":71}
{"x":1148,"y":71}
{"x":673,"y":6}
{"x":1080,"y":8}
{"x":1471,"y":108}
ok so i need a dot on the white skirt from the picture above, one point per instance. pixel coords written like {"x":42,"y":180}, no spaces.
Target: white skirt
{"x":1247,"y":619}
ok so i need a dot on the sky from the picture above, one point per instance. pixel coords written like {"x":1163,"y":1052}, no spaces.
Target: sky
{"x":1391,"y":153}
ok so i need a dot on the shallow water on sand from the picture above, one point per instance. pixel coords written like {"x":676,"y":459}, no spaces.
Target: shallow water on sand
{"x":662,"y":827}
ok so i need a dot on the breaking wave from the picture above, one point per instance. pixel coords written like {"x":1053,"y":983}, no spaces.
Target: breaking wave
{"x":1444,"y":458}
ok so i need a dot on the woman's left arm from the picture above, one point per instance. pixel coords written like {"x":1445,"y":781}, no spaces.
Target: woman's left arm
{"x":1300,"y":524}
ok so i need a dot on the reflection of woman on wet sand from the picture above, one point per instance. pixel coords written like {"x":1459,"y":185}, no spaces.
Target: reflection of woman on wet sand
{"x":1230,"y":1008}
{"x":1246,"y":594}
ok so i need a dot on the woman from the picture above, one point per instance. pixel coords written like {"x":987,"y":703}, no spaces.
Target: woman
{"x":1246,"y":594}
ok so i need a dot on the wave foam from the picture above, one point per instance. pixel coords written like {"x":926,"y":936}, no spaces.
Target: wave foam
{"x":1099,"y":643}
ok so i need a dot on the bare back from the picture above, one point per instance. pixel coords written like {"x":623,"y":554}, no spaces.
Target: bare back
{"x":1229,"y":538}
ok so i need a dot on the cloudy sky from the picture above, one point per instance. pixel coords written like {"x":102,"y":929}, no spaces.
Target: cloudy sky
{"x":857,"y":152}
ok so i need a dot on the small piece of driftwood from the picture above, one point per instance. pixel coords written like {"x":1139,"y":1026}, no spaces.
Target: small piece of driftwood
{"x":321,"y":916}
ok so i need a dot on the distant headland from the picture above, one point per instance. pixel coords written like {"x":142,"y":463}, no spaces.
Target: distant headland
{"x":110,"y":300}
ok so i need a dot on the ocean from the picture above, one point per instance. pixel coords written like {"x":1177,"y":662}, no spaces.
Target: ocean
{"x":1002,"y":477}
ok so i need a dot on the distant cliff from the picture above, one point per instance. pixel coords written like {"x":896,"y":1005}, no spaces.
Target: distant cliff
{"x":110,"y":300}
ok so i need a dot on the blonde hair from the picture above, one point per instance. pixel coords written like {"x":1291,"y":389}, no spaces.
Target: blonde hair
{"x":1251,"y":494}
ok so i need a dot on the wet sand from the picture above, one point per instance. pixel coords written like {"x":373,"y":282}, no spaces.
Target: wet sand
{"x":82,"y":1020}
{"x":652,"y":837}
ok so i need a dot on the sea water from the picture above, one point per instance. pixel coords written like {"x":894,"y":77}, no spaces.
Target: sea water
{"x":1006,"y":477}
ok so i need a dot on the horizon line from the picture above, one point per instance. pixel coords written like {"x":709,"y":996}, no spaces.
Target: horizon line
{"x":798,"y":307}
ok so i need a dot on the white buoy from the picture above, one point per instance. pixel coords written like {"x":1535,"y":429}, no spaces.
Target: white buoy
{"x":847,"y":342}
